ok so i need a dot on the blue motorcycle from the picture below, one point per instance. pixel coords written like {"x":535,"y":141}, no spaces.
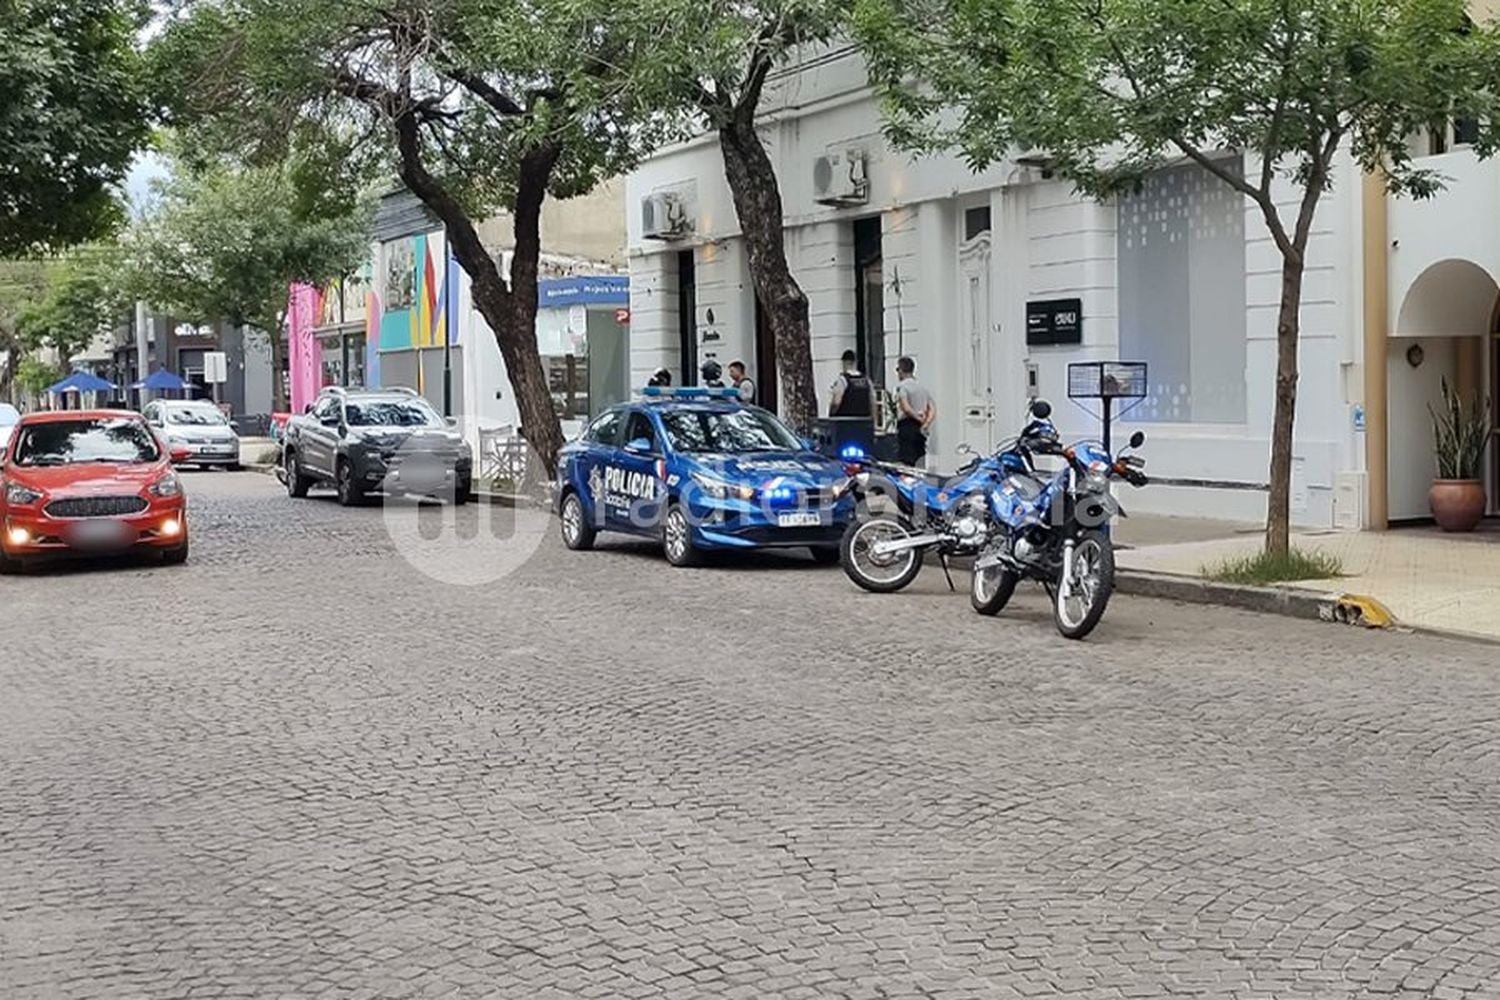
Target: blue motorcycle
{"x":905,"y":512}
{"x":1016,"y":521}
{"x":1054,"y":529}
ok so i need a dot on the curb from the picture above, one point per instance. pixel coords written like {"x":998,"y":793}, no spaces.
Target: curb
{"x":1308,"y":605}
{"x":1305,"y":604}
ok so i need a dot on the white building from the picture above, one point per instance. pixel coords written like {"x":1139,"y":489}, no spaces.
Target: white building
{"x":923,"y":257}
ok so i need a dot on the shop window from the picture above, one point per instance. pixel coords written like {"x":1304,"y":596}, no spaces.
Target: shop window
{"x":1181,"y":246}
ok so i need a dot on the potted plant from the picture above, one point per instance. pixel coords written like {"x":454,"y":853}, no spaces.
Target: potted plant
{"x":1461,"y":433}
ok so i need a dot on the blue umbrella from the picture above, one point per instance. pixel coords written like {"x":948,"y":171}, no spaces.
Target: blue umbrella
{"x":82,"y":382}
{"x":162,"y":380}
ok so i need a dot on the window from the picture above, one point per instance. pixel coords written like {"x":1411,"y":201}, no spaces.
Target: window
{"x":122,"y":441}
{"x":976,"y":221}
{"x":727,"y":431}
{"x":640,"y":427}
{"x":194,"y":415}
{"x":326,"y":409}
{"x":391,"y":413}
{"x":606,"y":430}
{"x":1181,"y":244}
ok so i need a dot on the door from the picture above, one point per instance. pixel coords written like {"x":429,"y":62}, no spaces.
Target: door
{"x":869,"y":302}
{"x":600,"y":439}
{"x":687,"y":317}
{"x":766,"y":393}
{"x":320,"y":437}
{"x":978,"y":428}
{"x":635,"y":489}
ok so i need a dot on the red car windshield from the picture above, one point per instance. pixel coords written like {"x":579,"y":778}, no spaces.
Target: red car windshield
{"x":114,"y":440}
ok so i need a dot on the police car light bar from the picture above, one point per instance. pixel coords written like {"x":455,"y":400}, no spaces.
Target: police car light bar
{"x":689,"y":392}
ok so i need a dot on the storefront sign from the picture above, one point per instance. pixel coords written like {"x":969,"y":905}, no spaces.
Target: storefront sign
{"x":622,"y":317}
{"x":1054,"y":321}
{"x":589,"y":290}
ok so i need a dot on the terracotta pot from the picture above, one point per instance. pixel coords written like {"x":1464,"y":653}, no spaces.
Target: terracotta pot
{"x":1457,"y":504}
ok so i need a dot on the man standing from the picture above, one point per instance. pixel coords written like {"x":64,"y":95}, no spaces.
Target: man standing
{"x":741,"y":381}
{"x":917,"y":412}
{"x":852,"y":393}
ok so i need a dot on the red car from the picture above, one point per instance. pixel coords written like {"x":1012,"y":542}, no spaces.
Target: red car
{"x":88,"y":482}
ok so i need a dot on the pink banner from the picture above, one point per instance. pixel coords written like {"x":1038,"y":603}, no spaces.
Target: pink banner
{"x":304,"y":356}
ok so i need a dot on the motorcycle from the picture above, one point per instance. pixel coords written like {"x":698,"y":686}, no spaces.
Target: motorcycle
{"x":883,"y":551}
{"x":1056,"y":531}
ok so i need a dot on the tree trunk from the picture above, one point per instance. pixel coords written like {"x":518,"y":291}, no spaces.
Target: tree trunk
{"x":510,"y":312}
{"x":757,"y":204}
{"x":1288,"y":328}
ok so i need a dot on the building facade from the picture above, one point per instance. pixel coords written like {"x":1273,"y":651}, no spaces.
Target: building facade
{"x":407,"y":318}
{"x":996,"y":282}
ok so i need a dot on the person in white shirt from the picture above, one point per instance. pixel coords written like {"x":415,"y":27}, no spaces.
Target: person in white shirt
{"x":917,"y":412}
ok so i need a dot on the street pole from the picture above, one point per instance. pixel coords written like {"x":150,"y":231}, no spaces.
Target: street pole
{"x":142,"y":352}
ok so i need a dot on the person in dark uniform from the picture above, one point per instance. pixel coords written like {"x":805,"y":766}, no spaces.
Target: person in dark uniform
{"x":853,"y":395}
{"x":661,"y":377}
{"x":712,"y":374}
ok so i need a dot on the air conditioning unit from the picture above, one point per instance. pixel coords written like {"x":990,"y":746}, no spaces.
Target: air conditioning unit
{"x":664,"y":216}
{"x":840,"y":180}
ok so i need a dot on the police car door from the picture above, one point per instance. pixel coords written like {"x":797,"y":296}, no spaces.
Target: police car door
{"x":634,"y":482}
{"x":601,"y":442}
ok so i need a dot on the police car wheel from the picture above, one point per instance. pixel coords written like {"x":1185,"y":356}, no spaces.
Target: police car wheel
{"x":577,"y":533}
{"x":677,"y":538}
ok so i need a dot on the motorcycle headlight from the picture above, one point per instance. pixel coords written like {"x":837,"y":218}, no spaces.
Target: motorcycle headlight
{"x":720,"y":490}
{"x":20,"y":495}
{"x":166,"y":486}
{"x":1096,"y":480}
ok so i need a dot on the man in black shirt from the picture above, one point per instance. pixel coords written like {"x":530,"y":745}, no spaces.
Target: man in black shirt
{"x":853,"y":396}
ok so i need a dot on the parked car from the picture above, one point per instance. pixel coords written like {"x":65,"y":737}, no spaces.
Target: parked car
{"x":367,"y":441}
{"x":88,"y":482}
{"x":9,"y":417}
{"x":197,"y":426}
{"x":698,"y":469}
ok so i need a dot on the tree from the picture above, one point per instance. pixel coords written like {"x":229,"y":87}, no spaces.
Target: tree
{"x":58,"y":304}
{"x":475,"y":105}
{"x":22,"y":283}
{"x":74,"y":112}
{"x":1111,"y":89}
{"x":227,"y":243}
{"x":721,"y":60}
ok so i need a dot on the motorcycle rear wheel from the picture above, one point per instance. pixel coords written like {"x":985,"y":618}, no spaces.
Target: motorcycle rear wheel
{"x":990,"y":589}
{"x":879,"y":574}
{"x":1094,"y":581}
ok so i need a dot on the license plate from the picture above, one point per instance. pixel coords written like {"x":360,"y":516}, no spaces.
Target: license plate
{"x":801,"y":520}
{"x":99,"y":534}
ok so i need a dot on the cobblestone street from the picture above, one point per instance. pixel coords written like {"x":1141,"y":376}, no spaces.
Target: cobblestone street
{"x":298,"y":767}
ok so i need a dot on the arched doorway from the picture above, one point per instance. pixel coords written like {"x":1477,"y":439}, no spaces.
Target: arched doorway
{"x":1443,"y":331}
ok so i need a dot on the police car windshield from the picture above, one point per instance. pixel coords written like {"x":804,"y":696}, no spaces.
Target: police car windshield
{"x":727,"y":431}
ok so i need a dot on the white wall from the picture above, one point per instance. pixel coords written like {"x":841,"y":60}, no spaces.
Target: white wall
{"x":1046,"y":243}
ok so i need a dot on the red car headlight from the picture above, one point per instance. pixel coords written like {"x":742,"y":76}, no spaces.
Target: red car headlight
{"x":21,"y":496}
{"x":166,"y":486}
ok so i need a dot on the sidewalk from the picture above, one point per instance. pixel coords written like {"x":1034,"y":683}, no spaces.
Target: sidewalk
{"x":1427,"y":578}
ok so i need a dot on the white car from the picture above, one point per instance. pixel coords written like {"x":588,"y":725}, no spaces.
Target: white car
{"x":197,"y":426}
{"x":9,"y":417}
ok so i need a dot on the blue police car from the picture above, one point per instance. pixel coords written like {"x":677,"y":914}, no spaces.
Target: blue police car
{"x":699,"y":470}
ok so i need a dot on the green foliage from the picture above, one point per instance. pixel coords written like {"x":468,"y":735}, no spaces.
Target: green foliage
{"x":226,"y":243}
{"x":85,"y":296}
{"x":1265,"y":568}
{"x":34,"y":375}
{"x":74,"y":111}
{"x":1109,"y":88}
{"x":487,"y":80}
{"x":1461,"y":434}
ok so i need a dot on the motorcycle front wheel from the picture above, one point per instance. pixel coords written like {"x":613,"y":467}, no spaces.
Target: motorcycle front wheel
{"x":1092,"y":582}
{"x":990,"y":589}
{"x":879,"y":574}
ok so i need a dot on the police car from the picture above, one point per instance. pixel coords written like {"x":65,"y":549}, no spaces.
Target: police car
{"x":700,"y":470}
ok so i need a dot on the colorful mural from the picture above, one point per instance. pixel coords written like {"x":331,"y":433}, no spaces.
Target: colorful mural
{"x":429,"y":319}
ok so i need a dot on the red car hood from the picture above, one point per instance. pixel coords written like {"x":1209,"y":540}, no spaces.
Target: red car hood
{"x":93,"y":478}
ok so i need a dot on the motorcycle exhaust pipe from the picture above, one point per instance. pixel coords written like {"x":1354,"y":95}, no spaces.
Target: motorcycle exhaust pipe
{"x":914,"y":542}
